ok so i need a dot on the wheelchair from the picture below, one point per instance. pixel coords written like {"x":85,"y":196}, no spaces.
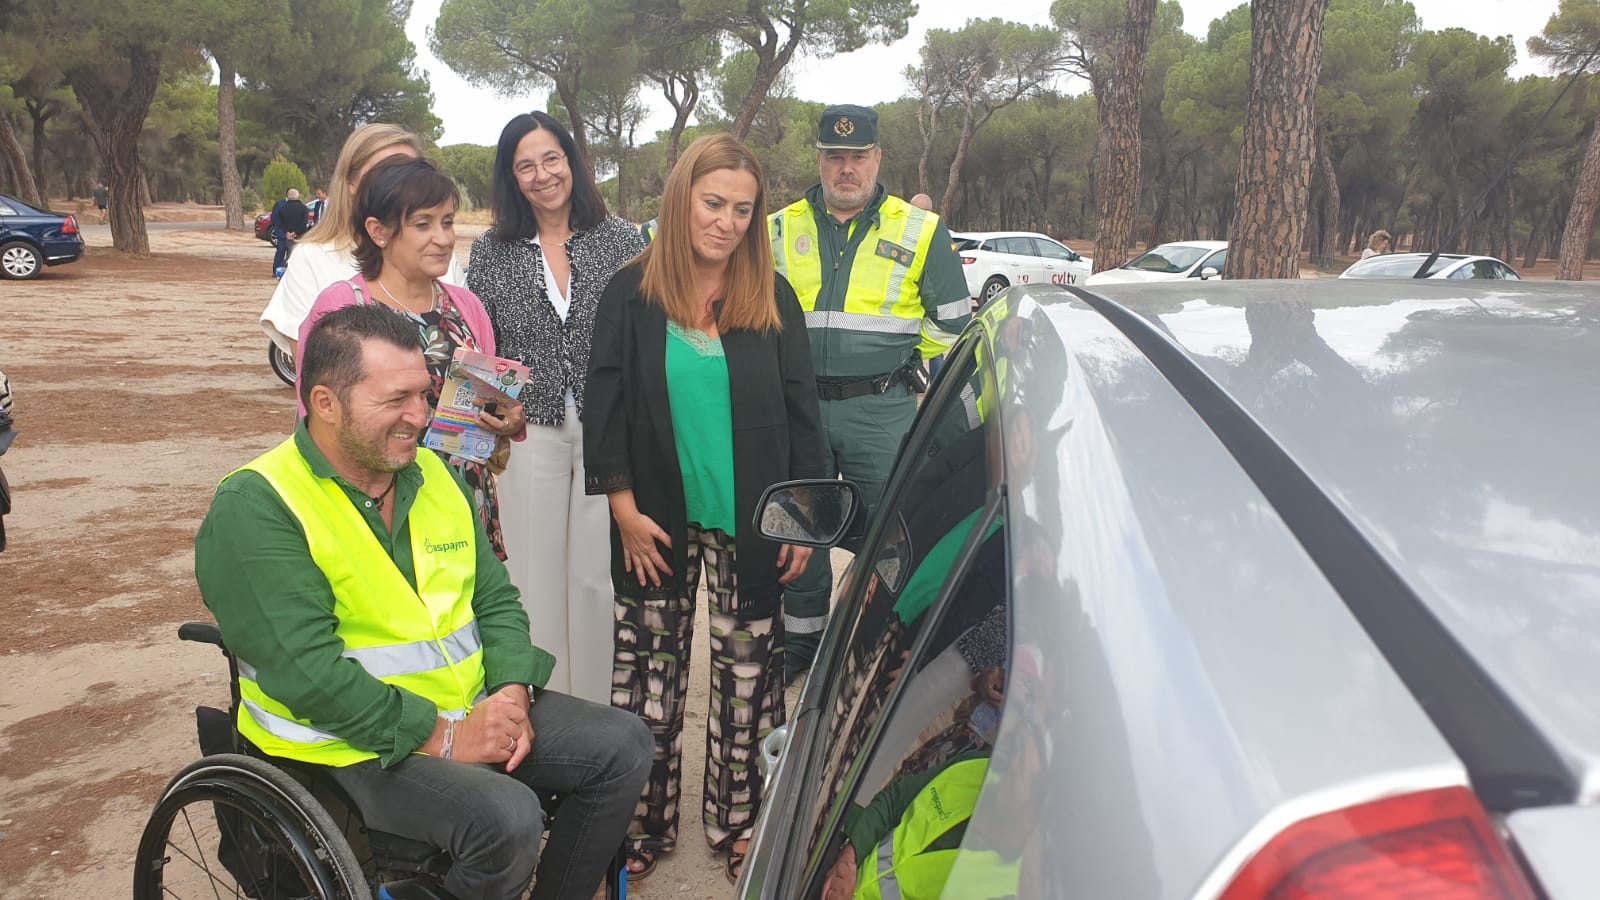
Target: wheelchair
{"x":237,"y":823}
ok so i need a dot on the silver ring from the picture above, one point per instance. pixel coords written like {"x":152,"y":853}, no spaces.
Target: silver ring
{"x":513,"y":746}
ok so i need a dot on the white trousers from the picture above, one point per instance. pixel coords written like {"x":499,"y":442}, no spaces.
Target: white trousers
{"x":558,"y":550}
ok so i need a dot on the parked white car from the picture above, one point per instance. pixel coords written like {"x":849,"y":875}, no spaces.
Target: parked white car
{"x":1447,"y":265}
{"x":995,"y":260}
{"x":1169,"y":262}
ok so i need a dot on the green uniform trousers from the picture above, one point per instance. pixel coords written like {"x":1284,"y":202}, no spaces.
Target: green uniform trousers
{"x":863,"y":435}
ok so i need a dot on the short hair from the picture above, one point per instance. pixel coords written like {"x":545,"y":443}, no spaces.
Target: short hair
{"x":371,"y":139}
{"x":332,"y":355}
{"x":668,"y":262}
{"x":513,"y":218}
{"x":1379,"y":235}
{"x":389,"y":192}
{"x":294,"y":193}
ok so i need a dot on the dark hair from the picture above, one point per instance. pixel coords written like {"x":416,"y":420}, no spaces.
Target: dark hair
{"x":332,"y":354}
{"x":390,"y":191}
{"x":513,"y":216}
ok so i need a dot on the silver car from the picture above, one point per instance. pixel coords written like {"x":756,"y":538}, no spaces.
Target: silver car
{"x":1298,"y":591}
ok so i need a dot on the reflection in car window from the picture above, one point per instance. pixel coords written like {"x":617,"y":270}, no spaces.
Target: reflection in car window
{"x":6,"y":210}
{"x":1169,"y":258}
{"x":936,"y":512}
{"x":1405,"y":266}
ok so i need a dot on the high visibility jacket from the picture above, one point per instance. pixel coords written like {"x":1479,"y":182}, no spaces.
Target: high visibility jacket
{"x":904,"y":869}
{"x":874,"y":321}
{"x":423,"y":640}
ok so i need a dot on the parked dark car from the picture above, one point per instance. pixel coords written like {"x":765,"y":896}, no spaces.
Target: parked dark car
{"x":31,"y":239}
{"x":1297,"y":587}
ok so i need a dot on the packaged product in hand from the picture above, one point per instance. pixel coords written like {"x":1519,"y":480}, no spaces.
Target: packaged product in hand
{"x":473,"y":381}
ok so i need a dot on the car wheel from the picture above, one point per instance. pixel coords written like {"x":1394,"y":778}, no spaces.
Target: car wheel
{"x":20,"y":261}
{"x":994,"y":286}
{"x":282,"y":363}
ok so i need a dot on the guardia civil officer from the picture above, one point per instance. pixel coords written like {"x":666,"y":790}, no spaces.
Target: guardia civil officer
{"x":882,"y":290}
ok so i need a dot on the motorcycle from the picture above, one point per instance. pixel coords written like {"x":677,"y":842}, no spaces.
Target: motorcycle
{"x":282,"y":363}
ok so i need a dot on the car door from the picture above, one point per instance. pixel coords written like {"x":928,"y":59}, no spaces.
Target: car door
{"x":1026,"y":266}
{"x":894,"y":612}
{"x":1058,"y":262}
{"x":1217,"y":260}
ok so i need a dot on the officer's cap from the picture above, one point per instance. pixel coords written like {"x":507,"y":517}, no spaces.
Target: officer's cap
{"x":847,"y":127}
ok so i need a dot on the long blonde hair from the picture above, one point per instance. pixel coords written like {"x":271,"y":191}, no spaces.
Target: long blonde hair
{"x":748,"y":301}
{"x":333,"y":220}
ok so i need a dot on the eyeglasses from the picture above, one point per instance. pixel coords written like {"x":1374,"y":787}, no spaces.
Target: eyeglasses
{"x":552,"y":163}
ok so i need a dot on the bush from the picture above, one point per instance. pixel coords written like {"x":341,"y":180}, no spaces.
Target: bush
{"x":250,"y":199}
{"x":279,"y":177}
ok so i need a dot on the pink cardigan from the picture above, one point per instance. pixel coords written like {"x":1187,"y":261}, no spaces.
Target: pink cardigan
{"x":339,"y":295}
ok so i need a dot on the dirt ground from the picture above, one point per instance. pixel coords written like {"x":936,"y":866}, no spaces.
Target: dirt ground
{"x":139,"y":384}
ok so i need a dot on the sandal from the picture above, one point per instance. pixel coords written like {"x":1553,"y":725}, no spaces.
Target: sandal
{"x":735,"y":865}
{"x":644,"y":859}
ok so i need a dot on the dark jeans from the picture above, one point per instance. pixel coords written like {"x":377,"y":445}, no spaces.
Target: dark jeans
{"x":595,"y":758}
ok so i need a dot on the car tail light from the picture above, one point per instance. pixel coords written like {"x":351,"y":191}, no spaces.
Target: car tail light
{"x":70,"y":226}
{"x":968,"y":260}
{"x":1434,"y":844}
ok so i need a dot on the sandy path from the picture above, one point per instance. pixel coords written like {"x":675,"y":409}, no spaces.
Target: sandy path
{"x":140,"y":383}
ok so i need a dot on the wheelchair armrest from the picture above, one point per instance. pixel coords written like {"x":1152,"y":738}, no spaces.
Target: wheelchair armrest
{"x":201,"y":633}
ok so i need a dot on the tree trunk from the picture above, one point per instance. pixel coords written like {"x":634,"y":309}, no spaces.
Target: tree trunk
{"x":1118,"y":83}
{"x":1330,"y":182}
{"x":40,"y":115}
{"x":567,"y":92}
{"x":12,"y":148}
{"x":968,"y":129}
{"x":680,"y":120}
{"x":769,"y":62}
{"x":1580,"y":218}
{"x":116,"y":119}
{"x":930,"y":131}
{"x":1274,"y":183}
{"x":228,"y":146}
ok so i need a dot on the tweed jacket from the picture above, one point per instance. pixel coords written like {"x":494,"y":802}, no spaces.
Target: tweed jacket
{"x":508,"y":278}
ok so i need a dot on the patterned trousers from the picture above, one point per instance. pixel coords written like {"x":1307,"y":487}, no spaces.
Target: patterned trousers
{"x":651,"y":679}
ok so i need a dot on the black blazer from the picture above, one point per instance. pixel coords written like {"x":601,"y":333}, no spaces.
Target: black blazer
{"x":628,"y":437}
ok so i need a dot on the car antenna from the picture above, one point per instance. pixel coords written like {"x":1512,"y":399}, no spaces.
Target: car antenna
{"x":1472,"y":208}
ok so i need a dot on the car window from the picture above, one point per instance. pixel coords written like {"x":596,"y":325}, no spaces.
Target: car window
{"x":1218,"y":261}
{"x":1013,"y":246}
{"x":962,"y":243}
{"x":1052,"y":250}
{"x":1168,"y":258}
{"x":938,"y":511}
{"x":1491,"y":268}
{"x":1506,"y":272}
{"x":1464,"y":273}
{"x":6,"y":210}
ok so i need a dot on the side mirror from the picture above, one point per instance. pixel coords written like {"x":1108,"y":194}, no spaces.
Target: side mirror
{"x":1209,"y":272}
{"x":810,"y":512}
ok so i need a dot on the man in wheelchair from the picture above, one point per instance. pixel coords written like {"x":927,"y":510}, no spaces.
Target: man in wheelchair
{"x":378,"y":636}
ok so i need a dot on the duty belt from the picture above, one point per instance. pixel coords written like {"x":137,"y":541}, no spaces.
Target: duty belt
{"x":848,"y":390}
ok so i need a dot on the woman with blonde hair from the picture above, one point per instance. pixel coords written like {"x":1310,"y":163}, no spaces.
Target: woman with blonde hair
{"x":701,"y":395}
{"x":325,"y":255}
{"x":1379,"y":242}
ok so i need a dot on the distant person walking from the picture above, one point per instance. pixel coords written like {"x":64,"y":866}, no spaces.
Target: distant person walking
{"x":289,"y":219}
{"x":1380,"y":242}
{"x":101,"y":194}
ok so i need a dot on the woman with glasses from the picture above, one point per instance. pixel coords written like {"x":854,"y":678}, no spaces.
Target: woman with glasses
{"x":539,"y":271}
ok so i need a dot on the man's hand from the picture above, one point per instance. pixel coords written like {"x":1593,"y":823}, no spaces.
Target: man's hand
{"x":990,"y":685}
{"x":516,"y":696}
{"x":841,"y":881}
{"x":792,"y":560}
{"x":496,"y":731}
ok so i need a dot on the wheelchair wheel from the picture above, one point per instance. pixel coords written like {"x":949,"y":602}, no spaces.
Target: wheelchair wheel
{"x":282,"y":363}
{"x":233,"y":826}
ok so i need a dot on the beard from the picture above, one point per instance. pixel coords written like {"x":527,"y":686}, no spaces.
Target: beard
{"x":366,"y":447}
{"x":848,"y":196}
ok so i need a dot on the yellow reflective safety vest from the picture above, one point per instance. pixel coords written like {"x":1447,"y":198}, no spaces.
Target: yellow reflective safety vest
{"x":904,"y":869}
{"x":879,"y":319}
{"x":423,"y":640}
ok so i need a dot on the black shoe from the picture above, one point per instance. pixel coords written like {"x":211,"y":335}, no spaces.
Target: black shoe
{"x":795,"y":667}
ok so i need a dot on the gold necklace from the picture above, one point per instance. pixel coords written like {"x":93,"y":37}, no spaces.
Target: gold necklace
{"x":433,"y":297}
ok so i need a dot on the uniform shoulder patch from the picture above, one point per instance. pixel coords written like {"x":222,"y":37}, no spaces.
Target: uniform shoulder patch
{"x":891,"y":250}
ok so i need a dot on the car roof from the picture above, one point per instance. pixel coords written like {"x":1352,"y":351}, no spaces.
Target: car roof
{"x":1204,"y":245}
{"x":985,"y":235}
{"x":1450,"y":424}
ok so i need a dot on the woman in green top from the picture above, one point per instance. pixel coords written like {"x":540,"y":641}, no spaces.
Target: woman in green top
{"x":700,"y":396}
